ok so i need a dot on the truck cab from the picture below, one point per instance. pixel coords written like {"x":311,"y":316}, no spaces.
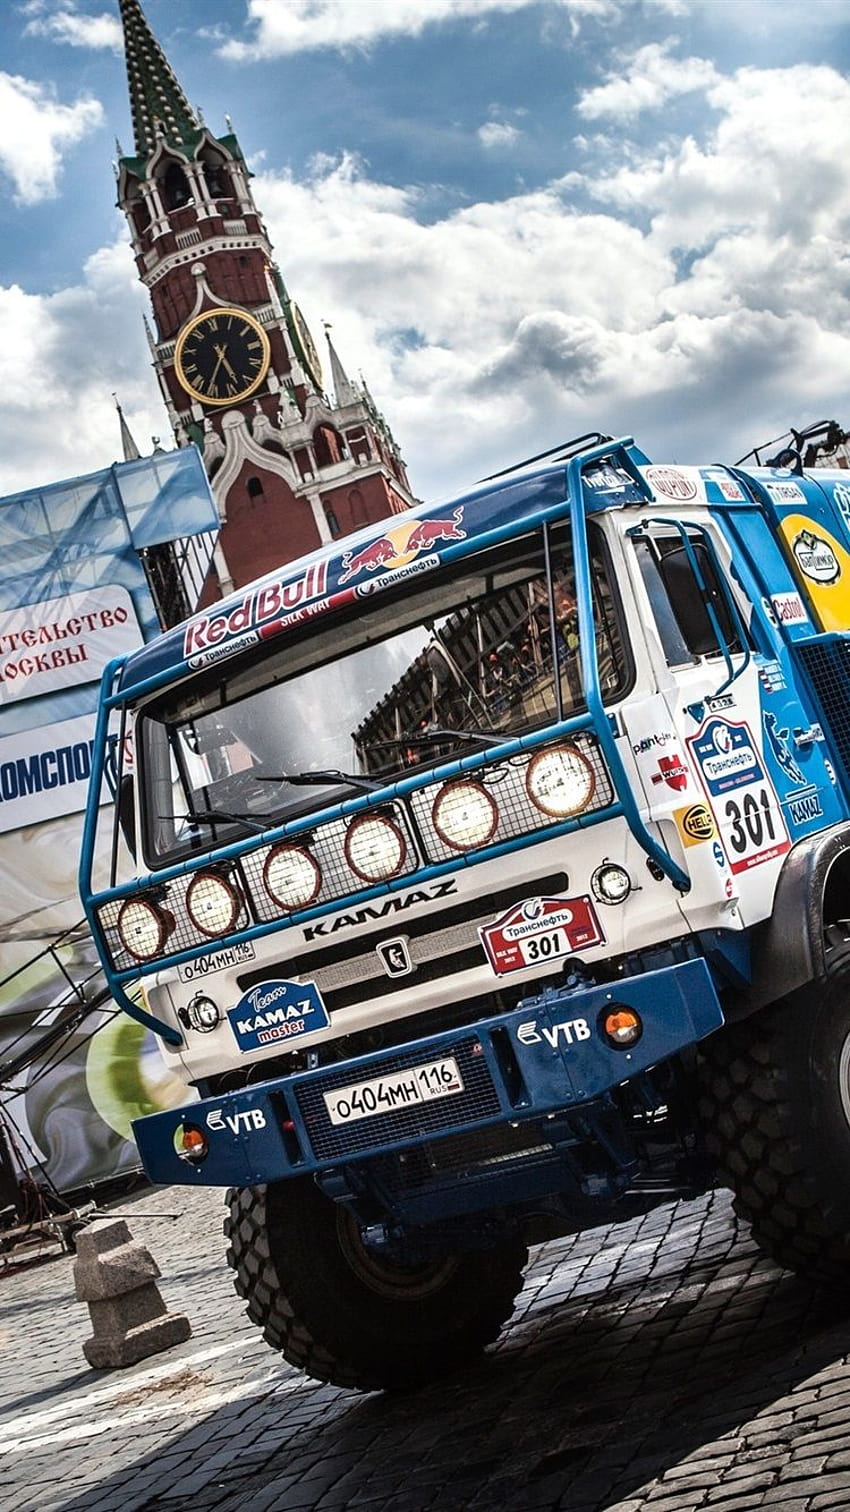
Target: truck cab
{"x":457,"y":865}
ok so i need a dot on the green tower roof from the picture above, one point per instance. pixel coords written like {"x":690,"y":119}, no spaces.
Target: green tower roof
{"x":157,"y":101}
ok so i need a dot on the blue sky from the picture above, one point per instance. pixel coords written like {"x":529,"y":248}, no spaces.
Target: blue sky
{"x":524,"y":221}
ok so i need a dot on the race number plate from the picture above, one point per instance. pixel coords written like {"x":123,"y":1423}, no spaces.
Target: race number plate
{"x":390,"y":1094}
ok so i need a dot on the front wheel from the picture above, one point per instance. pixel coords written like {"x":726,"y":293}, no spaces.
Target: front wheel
{"x":344,"y":1313}
{"x":775,"y":1108}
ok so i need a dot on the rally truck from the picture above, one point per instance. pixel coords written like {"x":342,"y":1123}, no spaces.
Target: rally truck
{"x":486,"y":878}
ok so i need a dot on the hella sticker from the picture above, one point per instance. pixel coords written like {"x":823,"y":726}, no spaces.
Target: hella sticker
{"x":277,"y":1012}
{"x":539,"y":931}
{"x":695,"y":824}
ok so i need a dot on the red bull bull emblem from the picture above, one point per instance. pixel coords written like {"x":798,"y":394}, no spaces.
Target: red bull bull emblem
{"x":401,"y":545}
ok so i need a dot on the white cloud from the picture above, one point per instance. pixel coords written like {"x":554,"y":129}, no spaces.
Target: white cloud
{"x":646,"y":81}
{"x":61,"y":358}
{"x":67,"y":26}
{"x":501,"y":328}
{"x":496,"y":134}
{"x":35,"y":131}
{"x":296,"y":25}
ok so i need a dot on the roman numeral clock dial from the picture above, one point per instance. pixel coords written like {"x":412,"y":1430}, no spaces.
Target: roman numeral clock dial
{"x":221,"y":356}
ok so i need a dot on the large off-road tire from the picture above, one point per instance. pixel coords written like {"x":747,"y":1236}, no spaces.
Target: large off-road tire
{"x":775,"y":1108}
{"x":345,"y":1315}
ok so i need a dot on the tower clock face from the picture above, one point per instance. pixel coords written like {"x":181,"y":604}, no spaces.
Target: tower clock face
{"x":221,"y":356}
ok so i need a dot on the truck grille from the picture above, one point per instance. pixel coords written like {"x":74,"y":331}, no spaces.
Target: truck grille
{"x":440,"y":945}
{"x":478,"y":1100}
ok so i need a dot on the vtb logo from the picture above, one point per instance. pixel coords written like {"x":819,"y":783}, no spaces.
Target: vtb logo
{"x":394,"y":956}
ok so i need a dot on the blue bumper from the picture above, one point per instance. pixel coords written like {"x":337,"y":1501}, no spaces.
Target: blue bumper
{"x":548,"y":1055}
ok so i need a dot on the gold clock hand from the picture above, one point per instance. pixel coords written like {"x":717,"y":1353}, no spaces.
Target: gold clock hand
{"x":223,"y":361}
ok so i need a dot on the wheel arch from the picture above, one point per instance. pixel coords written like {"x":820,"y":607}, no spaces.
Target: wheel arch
{"x":813,"y":892}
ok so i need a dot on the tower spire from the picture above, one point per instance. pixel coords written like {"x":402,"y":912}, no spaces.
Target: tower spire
{"x":343,"y":389}
{"x":128,"y":445}
{"x":157,"y":102}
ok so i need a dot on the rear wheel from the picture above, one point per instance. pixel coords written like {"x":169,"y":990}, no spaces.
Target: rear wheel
{"x":775,"y":1108}
{"x":344,"y":1313}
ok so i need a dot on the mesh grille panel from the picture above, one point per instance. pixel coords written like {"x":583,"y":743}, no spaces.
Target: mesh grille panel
{"x":477,"y":1100}
{"x":326,"y":844}
{"x":505,"y":782}
{"x":828,"y":666}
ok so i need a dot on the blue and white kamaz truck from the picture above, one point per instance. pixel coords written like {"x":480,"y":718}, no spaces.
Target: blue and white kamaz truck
{"x":486,"y":876}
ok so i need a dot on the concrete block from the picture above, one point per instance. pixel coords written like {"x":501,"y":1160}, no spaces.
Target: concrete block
{"x":116,"y":1276}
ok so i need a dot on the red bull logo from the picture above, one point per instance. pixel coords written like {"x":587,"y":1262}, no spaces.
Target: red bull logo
{"x":400,"y":545}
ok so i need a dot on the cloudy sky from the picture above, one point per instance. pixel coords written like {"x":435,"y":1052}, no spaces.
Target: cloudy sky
{"x":524,"y":220}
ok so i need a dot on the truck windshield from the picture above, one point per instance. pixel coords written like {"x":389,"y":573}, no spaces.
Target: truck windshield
{"x":466,"y":657}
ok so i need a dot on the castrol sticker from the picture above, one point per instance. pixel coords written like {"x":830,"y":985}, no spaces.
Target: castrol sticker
{"x":788,"y":609}
{"x":540,"y":930}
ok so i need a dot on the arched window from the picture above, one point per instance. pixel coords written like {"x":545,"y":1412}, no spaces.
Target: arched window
{"x":175,"y":187}
{"x":217,"y":180}
{"x":327,"y":446}
{"x":333,"y":522}
{"x":255,"y":488}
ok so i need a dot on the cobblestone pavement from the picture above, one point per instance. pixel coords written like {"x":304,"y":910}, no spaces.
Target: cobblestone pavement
{"x":658,"y":1367}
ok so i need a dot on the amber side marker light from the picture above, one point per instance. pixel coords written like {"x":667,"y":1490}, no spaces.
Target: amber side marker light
{"x":622,"y":1027}
{"x":190,"y":1143}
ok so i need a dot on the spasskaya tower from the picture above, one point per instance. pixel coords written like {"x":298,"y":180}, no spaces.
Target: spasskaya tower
{"x":290,"y":465}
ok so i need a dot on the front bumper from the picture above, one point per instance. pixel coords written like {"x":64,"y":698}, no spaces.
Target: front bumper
{"x":549,"y":1054}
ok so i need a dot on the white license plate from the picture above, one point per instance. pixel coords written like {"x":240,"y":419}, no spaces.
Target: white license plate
{"x":393,"y":1093}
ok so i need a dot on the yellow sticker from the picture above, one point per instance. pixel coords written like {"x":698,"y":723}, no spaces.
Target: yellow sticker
{"x":695,"y":824}
{"x":822,"y":568}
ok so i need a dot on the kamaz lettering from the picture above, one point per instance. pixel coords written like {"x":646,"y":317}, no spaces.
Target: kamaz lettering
{"x":379,"y":910}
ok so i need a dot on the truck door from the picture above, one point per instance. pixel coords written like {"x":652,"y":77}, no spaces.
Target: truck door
{"x":724,"y":819}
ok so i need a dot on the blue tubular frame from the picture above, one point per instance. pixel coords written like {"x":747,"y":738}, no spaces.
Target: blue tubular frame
{"x":594,"y":720}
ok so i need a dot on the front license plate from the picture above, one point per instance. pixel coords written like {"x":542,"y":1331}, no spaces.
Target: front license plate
{"x":390,"y":1094}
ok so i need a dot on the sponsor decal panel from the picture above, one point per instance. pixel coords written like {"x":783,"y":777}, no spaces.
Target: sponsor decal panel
{"x":695,"y":824}
{"x":786,"y":492}
{"x":241,"y":625}
{"x":673,"y":771}
{"x":788,"y":609}
{"x":540,"y":930}
{"x":745,"y":804}
{"x":558,"y":1036}
{"x":675,"y":483}
{"x":277,"y":1013}
{"x":401,"y":544}
{"x":728,"y":487}
{"x":815,"y":557}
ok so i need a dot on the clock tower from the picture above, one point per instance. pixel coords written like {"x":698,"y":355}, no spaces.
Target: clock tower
{"x":291,"y":464}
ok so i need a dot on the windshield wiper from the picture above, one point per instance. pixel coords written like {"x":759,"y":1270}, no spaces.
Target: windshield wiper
{"x":433,"y":733}
{"x":323,"y":779}
{"x":219,"y":816}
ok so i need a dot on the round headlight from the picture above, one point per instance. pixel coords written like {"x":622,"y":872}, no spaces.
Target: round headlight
{"x":560,"y":782}
{"x":202,"y":1014}
{"x":291,"y":876}
{"x":464,"y":815}
{"x":610,"y":883}
{"x":374,"y":848}
{"x":142,"y":929}
{"x":212,"y":904}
